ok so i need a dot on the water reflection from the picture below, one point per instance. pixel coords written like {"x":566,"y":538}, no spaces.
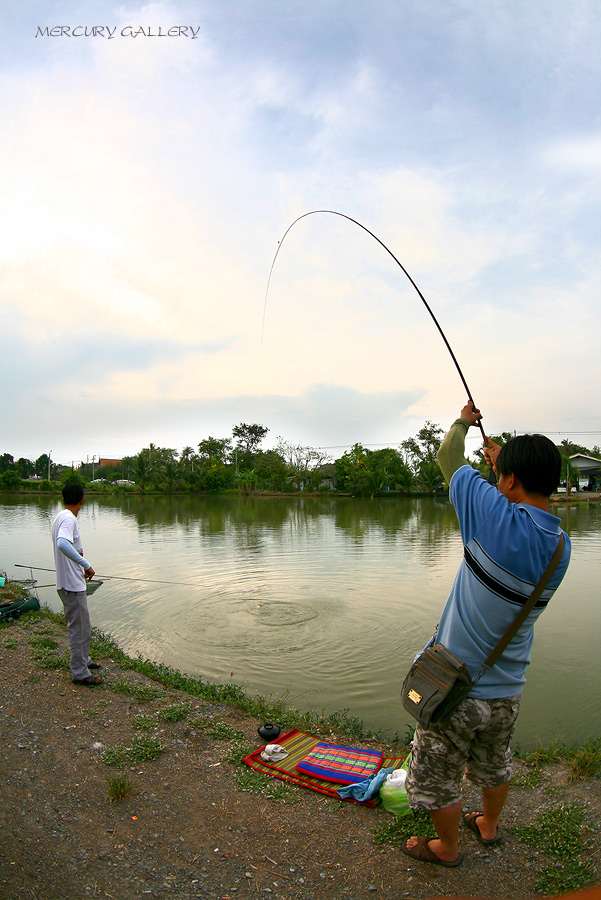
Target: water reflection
{"x":323,"y":601}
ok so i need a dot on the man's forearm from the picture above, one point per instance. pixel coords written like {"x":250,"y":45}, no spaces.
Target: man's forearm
{"x":451,"y":454}
{"x":70,"y":552}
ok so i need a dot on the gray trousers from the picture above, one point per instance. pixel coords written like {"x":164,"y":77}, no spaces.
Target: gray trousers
{"x":79,"y":629}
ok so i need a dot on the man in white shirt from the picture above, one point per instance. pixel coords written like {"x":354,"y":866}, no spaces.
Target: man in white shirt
{"x":72,"y":570}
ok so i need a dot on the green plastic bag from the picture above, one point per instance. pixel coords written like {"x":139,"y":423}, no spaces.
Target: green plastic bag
{"x":393,"y":794}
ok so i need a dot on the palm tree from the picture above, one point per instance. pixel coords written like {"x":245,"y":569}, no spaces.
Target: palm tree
{"x":186,"y":455}
{"x":142,"y":470}
{"x":172,"y":473}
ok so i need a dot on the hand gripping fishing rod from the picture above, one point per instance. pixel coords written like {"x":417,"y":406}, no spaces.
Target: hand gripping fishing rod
{"x":401,"y":266}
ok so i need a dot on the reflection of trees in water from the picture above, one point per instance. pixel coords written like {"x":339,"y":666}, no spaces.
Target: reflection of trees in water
{"x":419,"y":520}
{"x":578,"y":518}
{"x":40,"y":505}
{"x":423,"y":520}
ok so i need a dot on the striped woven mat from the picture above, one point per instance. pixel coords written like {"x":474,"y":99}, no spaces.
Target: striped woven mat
{"x":298,"y":744}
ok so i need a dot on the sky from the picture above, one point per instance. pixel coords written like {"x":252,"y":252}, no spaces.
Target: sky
{"x":154,"y":156}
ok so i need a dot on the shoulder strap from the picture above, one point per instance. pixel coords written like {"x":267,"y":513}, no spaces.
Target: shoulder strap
{"x":494,"y":655}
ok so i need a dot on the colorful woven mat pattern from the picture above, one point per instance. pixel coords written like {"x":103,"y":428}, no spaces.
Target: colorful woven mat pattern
{"x":344,"y":765}
{"x":298,"y":744}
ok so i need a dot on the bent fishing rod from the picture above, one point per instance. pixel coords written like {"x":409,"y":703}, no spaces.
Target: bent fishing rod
{"x":404,"y":270}
{"x":109,"y":577}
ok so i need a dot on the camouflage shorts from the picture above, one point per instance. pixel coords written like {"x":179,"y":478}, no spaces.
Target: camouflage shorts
{"x":474,"y":739}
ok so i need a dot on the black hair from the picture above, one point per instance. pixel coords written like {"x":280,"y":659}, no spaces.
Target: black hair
{"x":534,"y":460}
{"x":72,"y":494}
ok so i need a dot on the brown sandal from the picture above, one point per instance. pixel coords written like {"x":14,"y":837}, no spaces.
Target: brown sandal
{"x":470,"y":820}
{"x":422,"y":852}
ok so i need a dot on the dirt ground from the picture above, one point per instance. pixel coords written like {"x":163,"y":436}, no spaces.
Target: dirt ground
{"x":187,"y":830}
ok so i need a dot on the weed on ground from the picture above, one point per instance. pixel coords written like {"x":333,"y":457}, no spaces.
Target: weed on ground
{"x":561,"y":833}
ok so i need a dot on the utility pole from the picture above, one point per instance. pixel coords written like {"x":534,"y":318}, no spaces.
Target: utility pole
{"x":49,"y":455}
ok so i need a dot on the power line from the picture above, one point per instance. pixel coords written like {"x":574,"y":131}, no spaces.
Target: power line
{"x":474,"y":436}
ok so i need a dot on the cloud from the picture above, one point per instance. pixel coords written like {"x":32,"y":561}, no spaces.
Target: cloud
{"x":575,"y":155}
{"x":148,"y":184}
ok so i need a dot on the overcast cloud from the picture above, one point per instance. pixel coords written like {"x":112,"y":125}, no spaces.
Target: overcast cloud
{"x":148,"y":180}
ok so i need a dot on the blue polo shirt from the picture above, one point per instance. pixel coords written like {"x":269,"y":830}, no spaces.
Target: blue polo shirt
{"x":507,"y":547}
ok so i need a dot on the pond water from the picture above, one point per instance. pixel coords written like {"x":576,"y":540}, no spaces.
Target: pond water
{"x":322,"y":602}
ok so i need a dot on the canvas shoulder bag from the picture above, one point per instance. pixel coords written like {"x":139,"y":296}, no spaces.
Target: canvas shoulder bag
{"x":438,"y":680}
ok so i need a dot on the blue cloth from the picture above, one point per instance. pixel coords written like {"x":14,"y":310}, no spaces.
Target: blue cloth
{"x":364,"y":790}
{"x":507,"y":547}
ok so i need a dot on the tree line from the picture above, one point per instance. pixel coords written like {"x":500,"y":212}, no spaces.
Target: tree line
{"x":238,"y":463}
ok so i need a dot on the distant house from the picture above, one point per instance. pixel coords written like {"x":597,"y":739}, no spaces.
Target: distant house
{"x":109,"y":462}
{"x":589,"y":468}
{"x":587,"y":465}
{"x":326,"y":475}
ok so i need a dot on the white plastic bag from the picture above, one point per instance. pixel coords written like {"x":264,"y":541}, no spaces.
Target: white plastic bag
{"x":393,"y":794}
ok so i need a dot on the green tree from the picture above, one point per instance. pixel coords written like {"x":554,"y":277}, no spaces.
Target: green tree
{"x":212,"y":474}
{"x":424,"y":446}
{"x":421,"y":453}
{"x":351,"y":471}
{"x":172,"y":473}
{"x":271,"y":470}
{"x":249,"y":437}
{"x":9,"y":480}
{"x":568,"y":448}
{"x":215,"y":448}
{"x":246,"y":480}
{"x":25,"y":467}
{"x":429,"y":476}
{"x":6,"y":462}
{"x":42,"y":464}
{"x":187,"y":456}
{"x":142,"y":469}
{"x":72,"y":476}
{"x":389,"y":470}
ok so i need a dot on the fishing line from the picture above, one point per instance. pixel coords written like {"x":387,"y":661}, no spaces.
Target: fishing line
{"x":109,"y":577}
{"x":401,"y":266}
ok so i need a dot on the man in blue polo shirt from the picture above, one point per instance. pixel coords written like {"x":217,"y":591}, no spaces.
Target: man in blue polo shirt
{"x":509,"y":536}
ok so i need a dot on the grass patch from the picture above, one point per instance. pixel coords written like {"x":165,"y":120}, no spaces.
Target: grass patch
{"x":561,"y":833}
{"x":143,"y":748}
{"x":13,"y":590}
{"x":175,"y":712}
{"x":120,"y":788}
{"x":45,"y":652}
{"x":543,"y":756}
{"x":140,"y":692}
{"x":258,"y":783}
{"x":221,"y":731}
{"x":530,"y":778}
{"x":396,"y":830}
{"x":145,"y":723}
{"x":10,"y":643}
{"x":584,"y":761}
